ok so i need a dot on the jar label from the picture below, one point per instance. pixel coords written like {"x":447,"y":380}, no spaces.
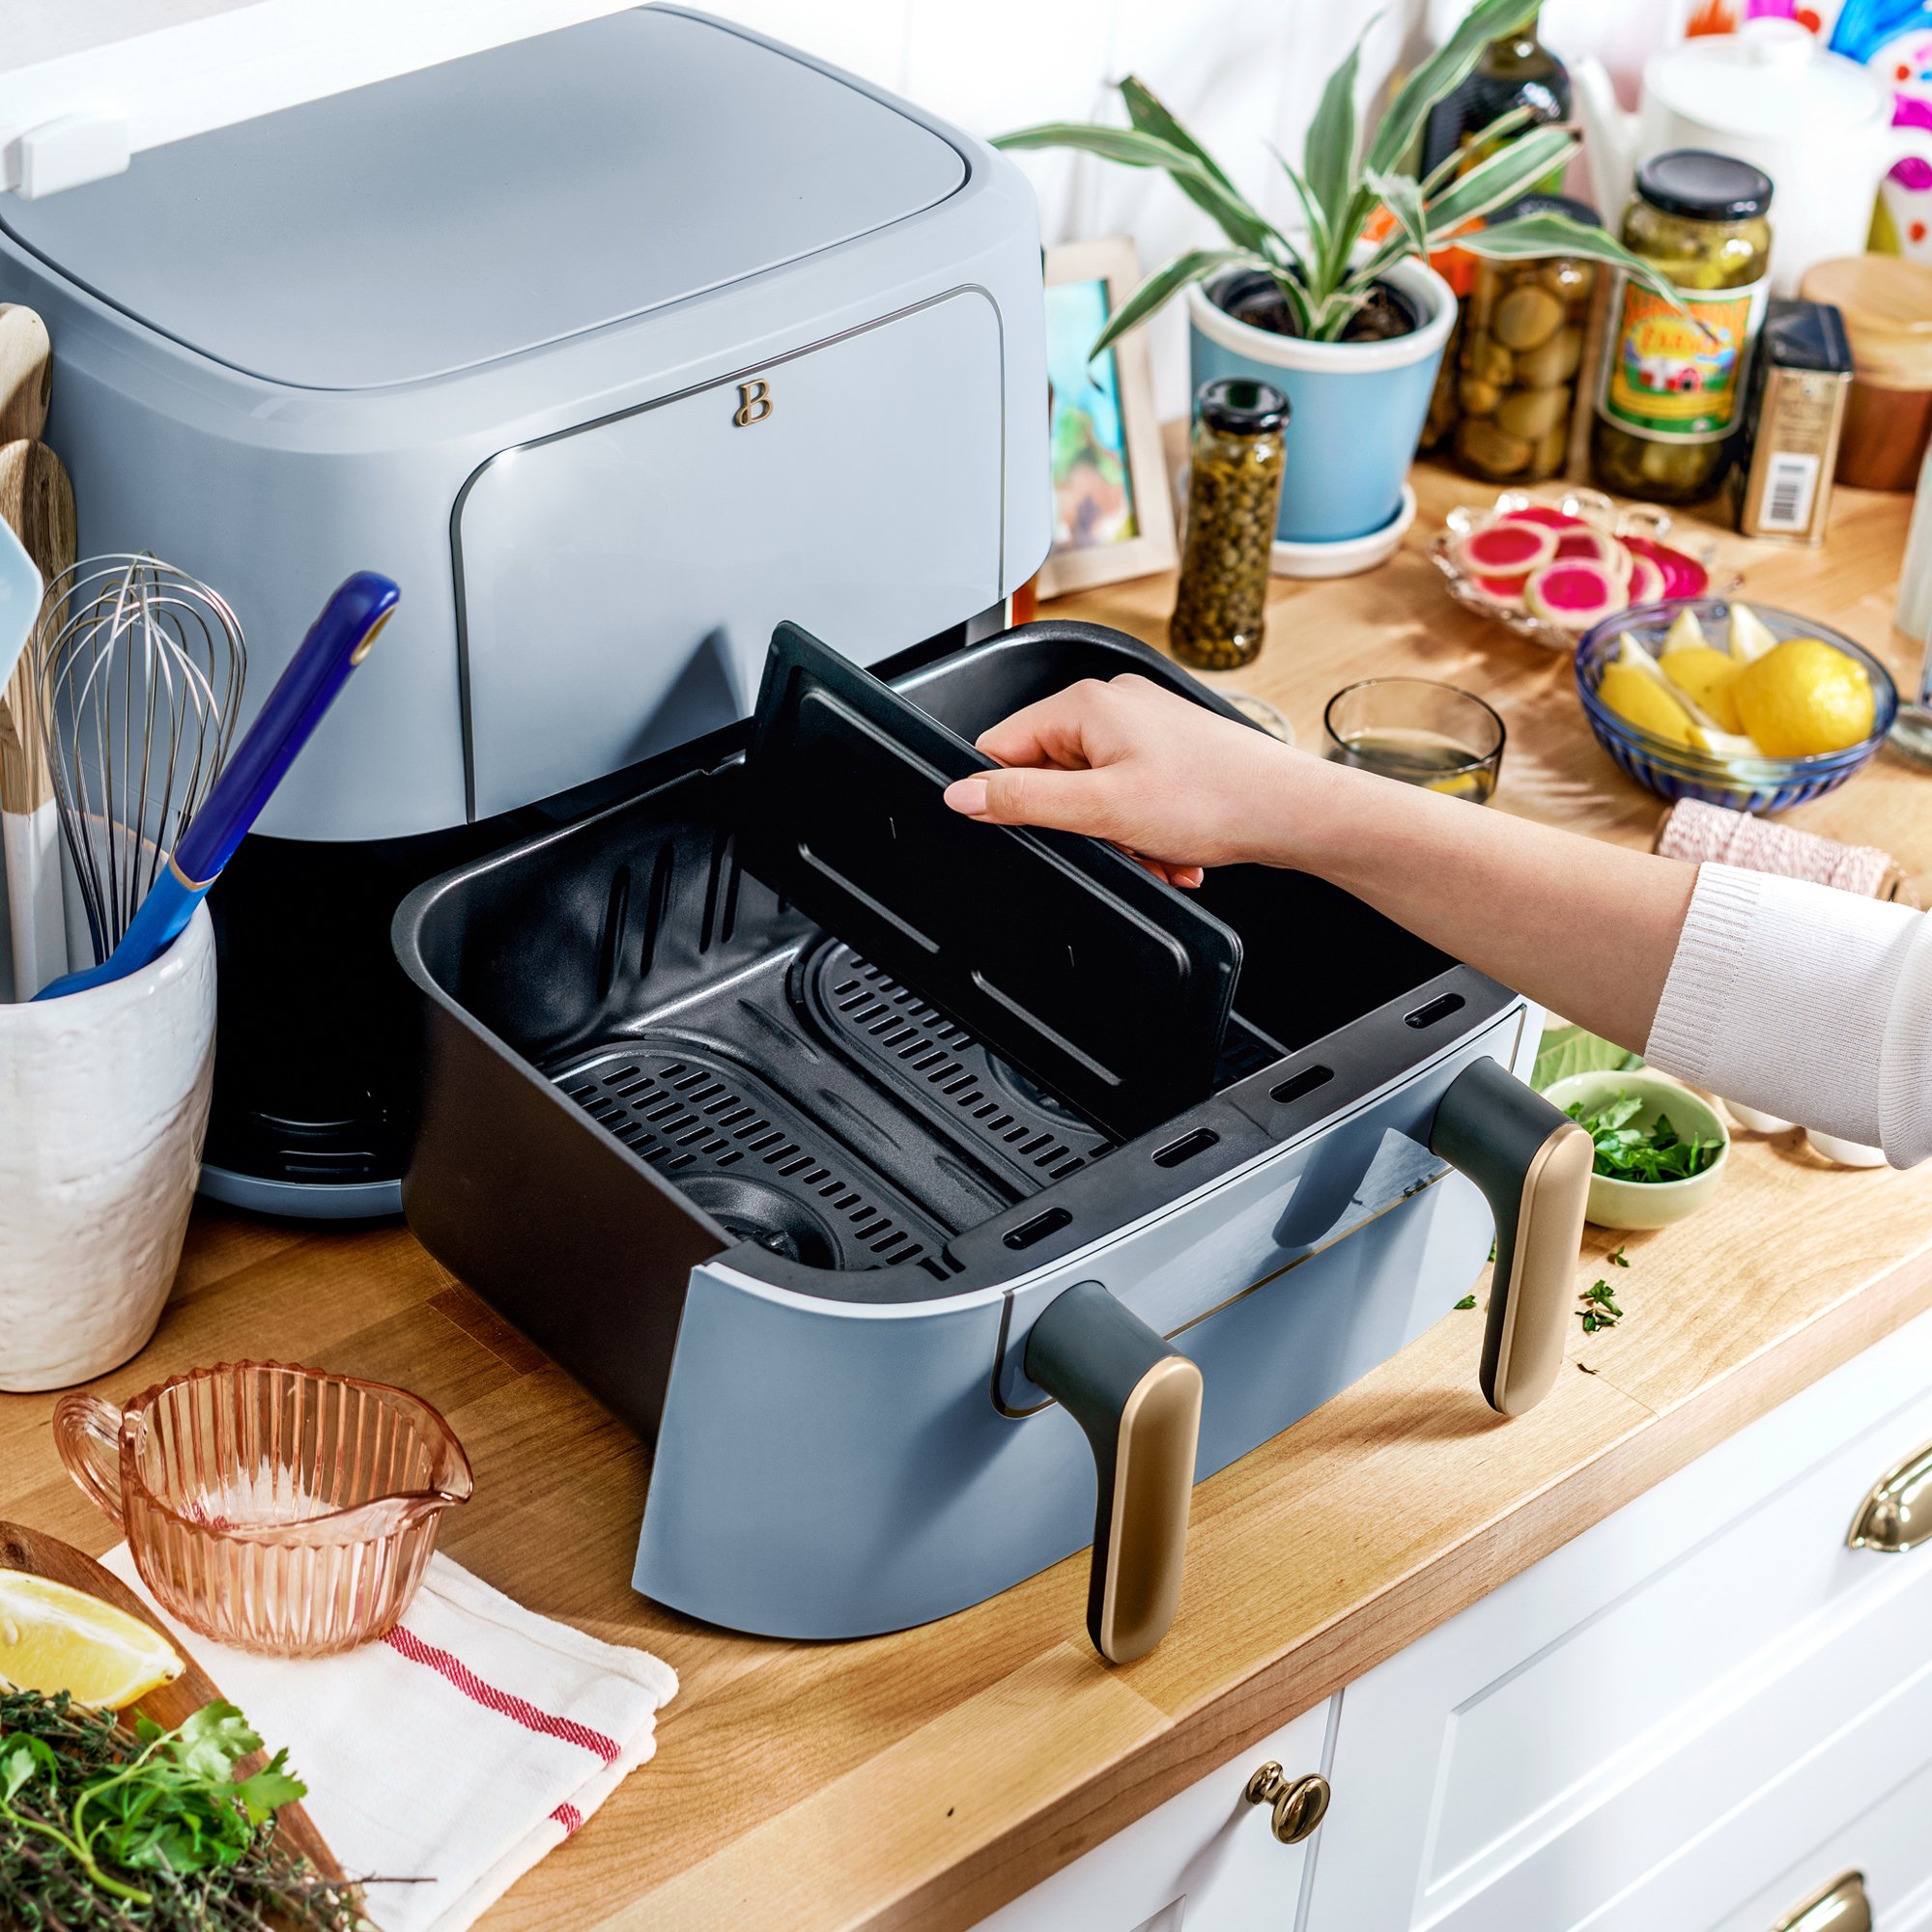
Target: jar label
{"x":1665,"y":378}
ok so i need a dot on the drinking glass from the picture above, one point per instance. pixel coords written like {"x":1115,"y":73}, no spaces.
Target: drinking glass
{"x":1422,"y":732}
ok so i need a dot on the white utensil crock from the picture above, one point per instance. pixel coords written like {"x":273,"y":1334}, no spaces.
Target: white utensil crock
{"x":103,"y":1102}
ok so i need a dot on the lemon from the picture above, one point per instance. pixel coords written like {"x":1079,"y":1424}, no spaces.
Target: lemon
{"x":1752,"y":637}
{"x":53,"y":1637}
{"x":1685,"y":634}
{"x":1706,"y":677}
{"x":1640,"y":698}
{"x":1803,"y":698}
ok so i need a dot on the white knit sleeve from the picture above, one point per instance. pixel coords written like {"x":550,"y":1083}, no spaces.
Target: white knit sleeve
{"x":1806,"y":1002}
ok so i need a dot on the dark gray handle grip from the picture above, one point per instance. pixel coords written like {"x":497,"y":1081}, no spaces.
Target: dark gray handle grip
{"x":1139,"y":1402}
{"x":1533,"y":1164}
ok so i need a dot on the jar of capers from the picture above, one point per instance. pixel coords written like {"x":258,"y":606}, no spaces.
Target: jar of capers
{"x":1235,"y":466}
{"x":1672,"y":387}
{"x":1519,"y":343}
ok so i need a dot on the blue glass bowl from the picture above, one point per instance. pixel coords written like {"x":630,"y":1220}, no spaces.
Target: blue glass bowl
{"x":1745,"y":785}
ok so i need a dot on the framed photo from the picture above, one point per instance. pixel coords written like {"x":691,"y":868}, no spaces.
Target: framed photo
{"x":1112,"y":515}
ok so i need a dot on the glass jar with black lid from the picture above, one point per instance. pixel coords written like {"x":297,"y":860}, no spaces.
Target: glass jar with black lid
{"x":1671,"y":386}
{"x":1517,"y":353}
{"x":1234,"y":466}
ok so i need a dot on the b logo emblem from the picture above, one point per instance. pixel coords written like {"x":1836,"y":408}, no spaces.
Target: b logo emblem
{"x":754,"y":402}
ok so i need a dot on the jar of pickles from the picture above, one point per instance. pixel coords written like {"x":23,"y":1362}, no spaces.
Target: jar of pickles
{"x":1235,"y":466}
{"x":1519,"y":345}
{"x":1671,"y":386}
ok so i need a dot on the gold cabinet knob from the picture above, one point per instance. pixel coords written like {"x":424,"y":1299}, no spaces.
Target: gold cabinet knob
{"x":1897,"y":1514}
{"x":1298,"y":1803}
{"x":1842,"y":1905}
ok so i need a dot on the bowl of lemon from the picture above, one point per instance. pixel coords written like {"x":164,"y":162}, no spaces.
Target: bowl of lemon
{"x":1713,"y":699}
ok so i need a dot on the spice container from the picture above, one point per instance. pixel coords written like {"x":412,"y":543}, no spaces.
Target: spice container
{"x":1790,"y":441}
{"x":1519,"y":345}
{"x":1670,"y":392}
{"x":1235,"y":467}
{"x":1886,"y":303}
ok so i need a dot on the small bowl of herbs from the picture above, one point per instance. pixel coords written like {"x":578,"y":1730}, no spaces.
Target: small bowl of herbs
{"x":1661,"y":1151}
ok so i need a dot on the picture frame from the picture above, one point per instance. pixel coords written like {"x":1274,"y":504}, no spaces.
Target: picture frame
{"x":1113,"y":510}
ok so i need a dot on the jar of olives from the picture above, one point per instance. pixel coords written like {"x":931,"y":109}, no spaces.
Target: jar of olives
{"x":1235,"y":466}
{"x":1519,"y":348}
{"x":1672,"y":387}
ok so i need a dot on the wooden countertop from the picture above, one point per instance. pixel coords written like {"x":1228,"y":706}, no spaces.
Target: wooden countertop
{"x":922,"y":1779}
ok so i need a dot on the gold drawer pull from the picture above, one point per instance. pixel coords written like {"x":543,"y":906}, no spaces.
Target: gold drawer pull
{"x":1897,"y":1514}
{"x":1838,"y":1907}
{"x":1299,"y":1804}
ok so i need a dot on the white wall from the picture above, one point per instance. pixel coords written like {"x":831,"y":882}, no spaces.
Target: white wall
{"x":1238,"y":73}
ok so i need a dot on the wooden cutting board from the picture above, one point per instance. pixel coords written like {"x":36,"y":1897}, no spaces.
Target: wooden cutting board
{"x":23,"y":1548}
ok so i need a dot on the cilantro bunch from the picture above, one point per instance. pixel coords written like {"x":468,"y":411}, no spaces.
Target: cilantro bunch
{"x":101,"y":1827}
{"x":1627,"y":1152}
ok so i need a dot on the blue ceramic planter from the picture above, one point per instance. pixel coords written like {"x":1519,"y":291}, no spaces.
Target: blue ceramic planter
{"x":1359,"y":406}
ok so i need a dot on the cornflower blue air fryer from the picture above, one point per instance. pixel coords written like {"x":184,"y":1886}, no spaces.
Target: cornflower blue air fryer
{"x":819,"y":1133}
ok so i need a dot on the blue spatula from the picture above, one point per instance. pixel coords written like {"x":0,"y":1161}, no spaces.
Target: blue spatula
{"x":337,"y":641}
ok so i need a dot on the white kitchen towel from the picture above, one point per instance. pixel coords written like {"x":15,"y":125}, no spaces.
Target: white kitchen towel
{"x":458,"y":1749}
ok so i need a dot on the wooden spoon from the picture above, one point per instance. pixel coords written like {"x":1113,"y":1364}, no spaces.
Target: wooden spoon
{"x":23,"y":1548}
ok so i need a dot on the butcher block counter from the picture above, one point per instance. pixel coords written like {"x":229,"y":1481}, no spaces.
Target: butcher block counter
{"x":922,"y":1779}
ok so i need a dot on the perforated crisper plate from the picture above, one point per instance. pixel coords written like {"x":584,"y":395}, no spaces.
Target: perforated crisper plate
{"x":1057,"y":951}
{"x":727,"y":1140}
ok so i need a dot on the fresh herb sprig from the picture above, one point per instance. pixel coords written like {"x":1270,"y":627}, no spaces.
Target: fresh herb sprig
{"x":1627,"y":1152}
{"x":107,"y":1829}
{"x":1598,"y":1308}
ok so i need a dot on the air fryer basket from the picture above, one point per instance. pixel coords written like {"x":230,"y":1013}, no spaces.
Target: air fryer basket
{"x":638,"y":1056}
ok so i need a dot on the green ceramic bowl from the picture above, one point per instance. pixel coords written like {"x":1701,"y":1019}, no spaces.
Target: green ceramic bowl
{"x":1648,"y":1203}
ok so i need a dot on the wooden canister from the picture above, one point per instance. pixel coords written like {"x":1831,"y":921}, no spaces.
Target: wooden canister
{"x":1886,"y":305}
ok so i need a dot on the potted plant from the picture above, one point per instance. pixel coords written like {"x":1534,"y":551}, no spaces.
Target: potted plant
{"x":1345,"y":314}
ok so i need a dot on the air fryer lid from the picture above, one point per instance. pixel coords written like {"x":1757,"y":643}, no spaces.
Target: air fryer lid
{"x":492,"y":204}
{"x":1103,"y":983}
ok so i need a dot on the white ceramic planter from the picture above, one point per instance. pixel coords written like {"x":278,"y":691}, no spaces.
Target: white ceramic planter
{"x":1356,"y":409}
{"x":104,"y":1103}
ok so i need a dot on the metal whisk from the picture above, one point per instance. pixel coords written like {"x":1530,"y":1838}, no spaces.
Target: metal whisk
{"x":140,"y":678}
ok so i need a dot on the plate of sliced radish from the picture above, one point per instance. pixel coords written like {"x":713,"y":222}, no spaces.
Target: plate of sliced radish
{"x":1550,"y":568}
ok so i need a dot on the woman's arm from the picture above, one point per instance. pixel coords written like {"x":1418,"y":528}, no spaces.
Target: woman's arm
{"x":1585,"y":927}
{"x":1811,"y":1004}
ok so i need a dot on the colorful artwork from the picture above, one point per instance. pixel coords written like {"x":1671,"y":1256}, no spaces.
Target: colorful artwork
{"x":1893,"y":38}
{"x":1092,"y":490}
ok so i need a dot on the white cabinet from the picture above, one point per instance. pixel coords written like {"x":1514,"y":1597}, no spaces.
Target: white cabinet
{"x":1690,"y":1716}
{"x":1691,"y":1719}
{"x":1206,"y":1860}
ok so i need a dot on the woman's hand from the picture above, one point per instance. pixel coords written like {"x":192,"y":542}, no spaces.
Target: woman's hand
{"x":1173,"y":782}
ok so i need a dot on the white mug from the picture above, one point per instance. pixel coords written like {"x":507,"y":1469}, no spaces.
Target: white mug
{"x":104,"y":1103}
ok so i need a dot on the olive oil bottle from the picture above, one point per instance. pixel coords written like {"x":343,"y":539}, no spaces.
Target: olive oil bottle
{"x":1515,"y":72}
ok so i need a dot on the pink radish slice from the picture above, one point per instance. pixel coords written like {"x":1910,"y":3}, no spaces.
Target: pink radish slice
{"x":1503,"y":549}
{"x":1547,"y":517}
{"x":1683,"y":576}
{"x":1646,"y":584}
{"x":1503,"y":591}
{"x":1574,"y":594}
{"x":1584,"y":545}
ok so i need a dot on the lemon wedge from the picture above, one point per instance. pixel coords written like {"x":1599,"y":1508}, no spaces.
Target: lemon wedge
{"x":1708,"y":678}
{"x":54,"y":1638}
{"x":1805,"y":697}
{"x":1724,"y":744}
{"x":1751,"y":637}
{"x":1685,"y":634}
{"x":1644,"y":698}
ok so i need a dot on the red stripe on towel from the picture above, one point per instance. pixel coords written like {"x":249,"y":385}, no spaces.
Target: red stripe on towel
{"x":517,"y":1709}
{"x":568,"y":1817}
